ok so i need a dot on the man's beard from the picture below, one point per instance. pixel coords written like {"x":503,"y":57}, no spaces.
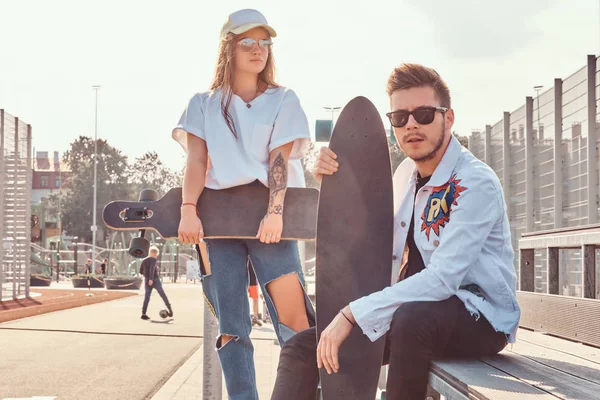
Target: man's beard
{"x":438,"y":146}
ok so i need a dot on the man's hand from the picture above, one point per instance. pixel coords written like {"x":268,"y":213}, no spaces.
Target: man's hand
{"x":326,"y":164}
{"x":332,"y":338}
{"x":150,"y":283}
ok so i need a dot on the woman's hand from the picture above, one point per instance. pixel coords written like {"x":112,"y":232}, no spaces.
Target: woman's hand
{"x":270,"y":228}
{"x":190,"y":227}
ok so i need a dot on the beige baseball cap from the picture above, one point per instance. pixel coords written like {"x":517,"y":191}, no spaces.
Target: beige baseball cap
{"x":243,"y":20}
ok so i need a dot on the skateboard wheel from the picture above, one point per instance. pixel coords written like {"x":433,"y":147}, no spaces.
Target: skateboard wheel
{"x":148,"y":195}
{"x":139,"y":247}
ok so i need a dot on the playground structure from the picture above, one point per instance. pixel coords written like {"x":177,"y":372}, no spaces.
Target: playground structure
{"x":15,"y":213}
{"x":66,"y":259}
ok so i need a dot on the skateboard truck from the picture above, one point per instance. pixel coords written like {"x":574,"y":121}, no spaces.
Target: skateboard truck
{"x":136,"y":214}
{"x":139,"y":246}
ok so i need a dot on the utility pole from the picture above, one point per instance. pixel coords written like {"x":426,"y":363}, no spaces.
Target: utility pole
{"x":94,"y":227}
{"x":333,"y":111}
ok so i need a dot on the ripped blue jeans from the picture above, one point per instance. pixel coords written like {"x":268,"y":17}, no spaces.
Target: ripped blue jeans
{"x":225,"y":283}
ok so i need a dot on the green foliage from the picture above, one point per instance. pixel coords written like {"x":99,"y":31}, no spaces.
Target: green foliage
{"x":464,"y":141}
{"x":117,"y":180}
{"x":396,"y":155}
{"x":148,"y":172}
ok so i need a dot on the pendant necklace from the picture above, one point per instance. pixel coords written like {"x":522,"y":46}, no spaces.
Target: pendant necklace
{"x":248,"y":105}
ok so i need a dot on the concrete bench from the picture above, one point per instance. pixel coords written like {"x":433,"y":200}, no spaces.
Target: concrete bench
{"x":554,"y":357}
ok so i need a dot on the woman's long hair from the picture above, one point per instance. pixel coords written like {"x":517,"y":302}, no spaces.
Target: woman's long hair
{"x":224,"y":76}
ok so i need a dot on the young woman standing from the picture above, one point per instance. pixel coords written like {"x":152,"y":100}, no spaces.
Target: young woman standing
{"x":246,"y":130}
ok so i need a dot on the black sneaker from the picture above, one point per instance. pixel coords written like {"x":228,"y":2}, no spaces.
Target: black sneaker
{"x":170,"y":312}
{"x":145,"y":317}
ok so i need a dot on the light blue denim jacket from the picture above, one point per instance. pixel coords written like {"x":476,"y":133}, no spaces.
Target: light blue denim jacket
{"x":463,"y":235}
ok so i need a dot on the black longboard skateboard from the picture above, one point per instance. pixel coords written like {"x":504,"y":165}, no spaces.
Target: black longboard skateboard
{"x":229,"y":213}
{"x":354,"y":243}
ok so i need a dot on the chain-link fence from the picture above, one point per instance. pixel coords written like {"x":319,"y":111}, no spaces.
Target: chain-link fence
{"x":15,"y":213}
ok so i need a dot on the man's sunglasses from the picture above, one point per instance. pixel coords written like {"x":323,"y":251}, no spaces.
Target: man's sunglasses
{"x":248,"y":44}
{"x":423,"y":115}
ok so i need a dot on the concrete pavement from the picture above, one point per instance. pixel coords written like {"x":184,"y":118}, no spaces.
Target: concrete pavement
{"x":186,"y":383}
{"x":105,"y":351}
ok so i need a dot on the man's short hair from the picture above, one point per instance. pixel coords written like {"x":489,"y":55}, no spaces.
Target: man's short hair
{"x":153,"y":249}
{"x":408,"y":76}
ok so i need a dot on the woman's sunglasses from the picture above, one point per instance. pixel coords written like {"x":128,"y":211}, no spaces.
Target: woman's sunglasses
{"x":423,"y":115}
{"x":248,"y":44}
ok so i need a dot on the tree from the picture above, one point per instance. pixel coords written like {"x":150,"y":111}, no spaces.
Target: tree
{"x":78,"y":194}
{"x":464,"y":141}
{"x":148,"y":172}
{"x":396,"y":155}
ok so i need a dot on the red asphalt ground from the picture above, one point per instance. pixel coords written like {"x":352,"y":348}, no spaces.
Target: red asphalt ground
{"x":54,"y":300}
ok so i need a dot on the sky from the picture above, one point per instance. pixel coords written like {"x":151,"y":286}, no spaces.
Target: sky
{"x":150,"y":57}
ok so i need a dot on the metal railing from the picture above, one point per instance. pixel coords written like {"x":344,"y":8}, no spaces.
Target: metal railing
{"x":555,"y":310}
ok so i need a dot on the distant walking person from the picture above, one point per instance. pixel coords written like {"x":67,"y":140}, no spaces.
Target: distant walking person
{"x":150,"y":270}
{"x":89,"y":267}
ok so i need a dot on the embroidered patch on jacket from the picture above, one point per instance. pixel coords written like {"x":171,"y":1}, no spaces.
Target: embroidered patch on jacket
{"x":439,"y":204}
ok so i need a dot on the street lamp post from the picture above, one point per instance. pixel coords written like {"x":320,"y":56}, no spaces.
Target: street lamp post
{"x":94,"y":227}
{"x":60,"y":231}
{"x":59,"y":198}
{"x":333,"y":111}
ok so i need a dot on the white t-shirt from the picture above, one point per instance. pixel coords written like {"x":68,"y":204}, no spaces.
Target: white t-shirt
{"x":275,"y":118}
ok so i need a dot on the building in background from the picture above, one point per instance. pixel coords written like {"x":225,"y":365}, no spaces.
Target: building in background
{"x":546,"y":156}
{"x":48,"y":174}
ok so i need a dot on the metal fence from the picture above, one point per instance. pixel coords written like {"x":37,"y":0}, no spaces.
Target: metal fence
{"x":546,"y":156}
{"x":15,"y":212}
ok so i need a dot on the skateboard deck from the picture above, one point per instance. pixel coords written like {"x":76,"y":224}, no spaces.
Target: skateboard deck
{"x":159,"y":320}
{"x":354,"y":243}
{"x":229,"y":213}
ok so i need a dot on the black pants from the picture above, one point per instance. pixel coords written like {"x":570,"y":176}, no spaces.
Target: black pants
{"x":420,"y":332}
{"x":156,"y":284}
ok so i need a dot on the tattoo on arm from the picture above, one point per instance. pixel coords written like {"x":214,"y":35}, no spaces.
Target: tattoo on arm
{"x":278,"y":177}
